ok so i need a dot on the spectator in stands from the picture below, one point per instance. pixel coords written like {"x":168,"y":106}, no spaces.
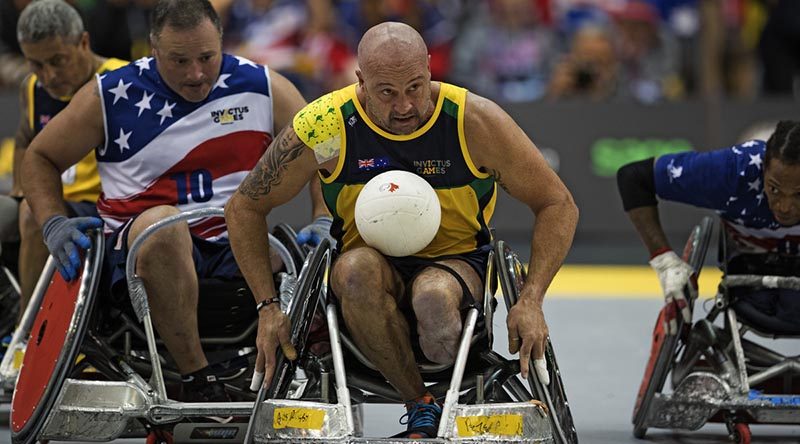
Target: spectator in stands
{"x":435,"y":21}
{"x":589,"y":69}
{"x":647,"y":52}
{"x":503,"y":53}
{"x":12,"y":65}
{"x":295,"y":37}
{"x":780,"y":48}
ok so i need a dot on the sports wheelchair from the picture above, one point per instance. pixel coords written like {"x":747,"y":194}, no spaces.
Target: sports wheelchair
{"x":484,"y":398}
{"x":96,"y":372}
{"x":717,"y":371}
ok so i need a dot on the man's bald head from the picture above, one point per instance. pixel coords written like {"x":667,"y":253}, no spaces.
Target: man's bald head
{"x":391,"y":43}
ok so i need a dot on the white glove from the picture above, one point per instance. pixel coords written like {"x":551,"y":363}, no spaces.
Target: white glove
{"x":674,"y":275}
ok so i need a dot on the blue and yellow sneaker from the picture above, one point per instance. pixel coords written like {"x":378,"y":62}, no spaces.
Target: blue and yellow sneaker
{"x":422,"y":418}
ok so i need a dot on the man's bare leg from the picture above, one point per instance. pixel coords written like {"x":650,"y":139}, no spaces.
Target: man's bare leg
{"x":32,"y":255}
{"x":166,"y":266}
{"x":368,"y":289}
{"x":436,"y":298}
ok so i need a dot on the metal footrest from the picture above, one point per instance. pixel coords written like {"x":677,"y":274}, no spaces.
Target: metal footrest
{"x":94,"y":410}
{"x":701,"y":395}
{"x":289,"y":421}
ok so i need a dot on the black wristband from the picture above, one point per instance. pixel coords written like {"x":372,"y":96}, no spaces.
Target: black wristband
{"x":266,"y":302}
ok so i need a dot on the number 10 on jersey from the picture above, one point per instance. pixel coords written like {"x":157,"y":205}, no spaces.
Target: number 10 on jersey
{"x":196,"y":184}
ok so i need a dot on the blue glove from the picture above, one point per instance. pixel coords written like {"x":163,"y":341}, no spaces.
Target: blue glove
{"x":61,"y":234}
{"x":317,"y":230}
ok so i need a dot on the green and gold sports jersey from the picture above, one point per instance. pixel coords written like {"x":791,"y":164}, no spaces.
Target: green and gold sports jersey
{"x":335,"y":125}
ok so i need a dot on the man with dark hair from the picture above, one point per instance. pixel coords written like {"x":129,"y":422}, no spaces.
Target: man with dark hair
{"x":174,"y":132}
{"x":395,"y":113}
{"x":755,"y":189}
{"x":56,"y":47}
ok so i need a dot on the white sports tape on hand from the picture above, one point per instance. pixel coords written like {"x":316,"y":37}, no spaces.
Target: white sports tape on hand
{"x":258,"y":378}
{"x":541,"y":371}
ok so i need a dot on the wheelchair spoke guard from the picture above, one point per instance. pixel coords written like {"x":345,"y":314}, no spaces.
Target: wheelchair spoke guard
{"x":53,"y":345}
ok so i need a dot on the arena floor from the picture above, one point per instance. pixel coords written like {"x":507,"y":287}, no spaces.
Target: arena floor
{"x":602,"y":338}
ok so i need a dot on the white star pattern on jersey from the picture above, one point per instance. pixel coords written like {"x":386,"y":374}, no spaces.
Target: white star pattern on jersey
{"x":122,"y":140}
{"x":674,"y":172}
{"x":754,"y":185}
{"x":245,"y":61}
{"x":120,"y":91}
{"x":221,"y":81}
{"x":166,"y":111}
{"x":143,"y":64}
{"x":144,"y":103}
{"x":136,"y":176}
{"x":755,"y":160}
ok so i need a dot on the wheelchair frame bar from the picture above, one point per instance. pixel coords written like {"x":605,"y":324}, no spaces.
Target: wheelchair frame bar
{"x":744,"y":386}
{"x":451,"y":398}
{"x":138,"y":293}
{"x":759,"y":281}
{"x":12,"y":279}
{"x":29,"y":316}
{"x":342,"y":392}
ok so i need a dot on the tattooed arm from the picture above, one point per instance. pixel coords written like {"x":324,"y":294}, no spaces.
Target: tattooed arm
{"x":283,"y":170}
{"x":498,"y":146}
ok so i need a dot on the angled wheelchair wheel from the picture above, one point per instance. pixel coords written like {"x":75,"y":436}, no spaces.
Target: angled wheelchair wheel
{"x":305,"y":301}
{"x":664,"y":348}
{"x":53,"y":345}
{"x":511,"y":273}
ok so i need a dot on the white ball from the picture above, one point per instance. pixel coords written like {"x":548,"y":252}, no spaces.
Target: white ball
{"x":398,"y":213}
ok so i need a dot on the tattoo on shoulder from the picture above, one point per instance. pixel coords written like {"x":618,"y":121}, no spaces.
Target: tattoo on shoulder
{"x":499,"y":179}
{"x":273,"y":165}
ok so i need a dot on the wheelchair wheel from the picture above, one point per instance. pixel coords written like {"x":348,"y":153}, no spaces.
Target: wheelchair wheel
{"x":288,"y":237}
{"x":512,"y":273}
{"x":304,"y":303}
{"x":53,"y":345}
{"x":306,"y":298}
{"x":9,"y":301}
{"x":663,"y":351}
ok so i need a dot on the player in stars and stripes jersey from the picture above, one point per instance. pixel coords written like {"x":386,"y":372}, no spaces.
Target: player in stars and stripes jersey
{"x":754,"y":187}
{"x":173,"y":132}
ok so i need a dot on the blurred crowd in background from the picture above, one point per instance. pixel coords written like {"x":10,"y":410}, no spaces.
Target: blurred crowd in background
{"x":648,"y":51}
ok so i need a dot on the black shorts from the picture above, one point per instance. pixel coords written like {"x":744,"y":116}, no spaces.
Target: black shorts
{"x":211,"y":260}
{"x":409,"y":267}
